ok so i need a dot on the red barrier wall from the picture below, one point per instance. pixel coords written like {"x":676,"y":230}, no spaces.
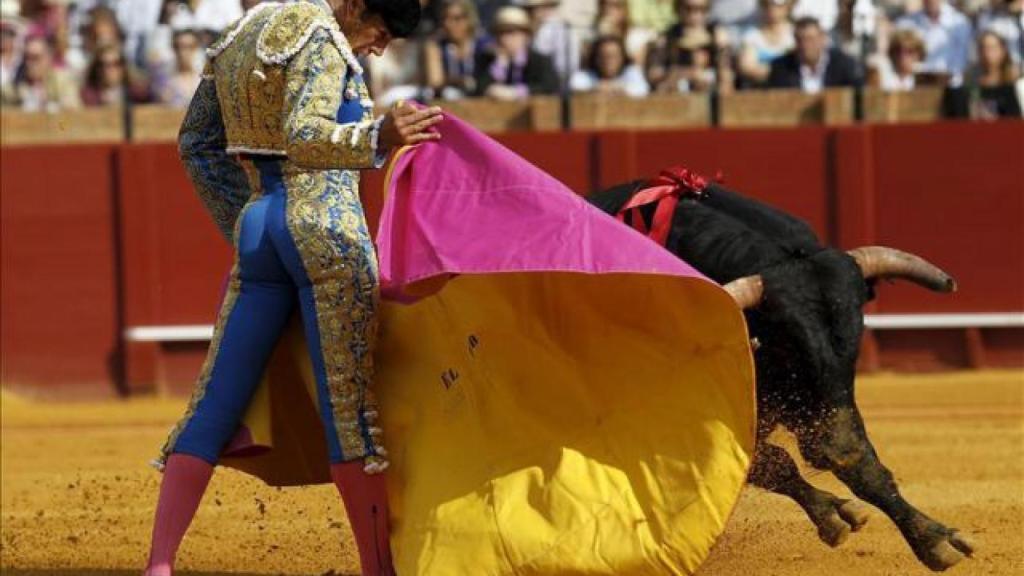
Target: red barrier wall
{"x":59,"y":292}
{"x":951,"y":192}
{"x":172,"y":250}
{"x":955,"y":194}
{"x":175,"y":259}
{"x":566,"y":156}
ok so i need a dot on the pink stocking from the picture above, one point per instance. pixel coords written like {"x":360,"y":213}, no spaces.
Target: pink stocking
{"x":366,"y":503}
{"x":185,"y":481}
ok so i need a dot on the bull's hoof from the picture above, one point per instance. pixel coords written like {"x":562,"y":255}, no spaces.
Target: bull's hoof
{"x":841,"y":518}
{"x":833,"y":530}
{"x":947,"y":551}
{"x":855,"y":514}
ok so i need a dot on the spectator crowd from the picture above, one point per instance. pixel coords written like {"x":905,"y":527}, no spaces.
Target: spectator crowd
{"x":59,"y":54}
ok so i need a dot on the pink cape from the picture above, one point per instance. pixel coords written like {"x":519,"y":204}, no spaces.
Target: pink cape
{"x":471,"y":206}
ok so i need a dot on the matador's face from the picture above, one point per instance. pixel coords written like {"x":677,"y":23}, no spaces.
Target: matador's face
{"x":366,"y":33}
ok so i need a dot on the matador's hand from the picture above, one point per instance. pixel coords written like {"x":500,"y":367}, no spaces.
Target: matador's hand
{"x":404,"y":125}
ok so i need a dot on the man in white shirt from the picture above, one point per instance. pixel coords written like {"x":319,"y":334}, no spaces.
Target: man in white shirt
{"x":947,"y":37}
{"x":812,"y":66}
{"x":553,"y":36}
{"x":812,"y":75}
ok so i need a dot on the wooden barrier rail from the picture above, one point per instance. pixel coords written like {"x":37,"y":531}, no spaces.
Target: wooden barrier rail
{"x":771,"y":109}
{"x":754,"y":109}
{"x":88,"y":126}
{"x":154,"y":123}
{"x":921,"y":105}
{"x":538,"y":114}
{"x":599,"y":112}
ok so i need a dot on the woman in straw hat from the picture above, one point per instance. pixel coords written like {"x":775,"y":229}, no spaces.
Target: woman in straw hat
{"x":511,"y":70}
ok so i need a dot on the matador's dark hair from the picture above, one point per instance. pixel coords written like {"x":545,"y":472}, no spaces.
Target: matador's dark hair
{"x":402,"y":17}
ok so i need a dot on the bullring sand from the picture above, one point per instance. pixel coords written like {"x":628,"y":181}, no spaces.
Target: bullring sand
{"x":77,"y":495}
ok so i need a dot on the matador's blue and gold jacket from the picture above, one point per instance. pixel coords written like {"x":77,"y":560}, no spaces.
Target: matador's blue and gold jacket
{"x":294,"y":89}
{"x":283,"y":83}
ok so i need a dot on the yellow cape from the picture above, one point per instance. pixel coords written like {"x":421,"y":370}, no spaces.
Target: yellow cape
{"x":545,"y":424}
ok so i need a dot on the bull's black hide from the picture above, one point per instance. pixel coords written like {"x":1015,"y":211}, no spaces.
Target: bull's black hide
{"x":809,"y":324}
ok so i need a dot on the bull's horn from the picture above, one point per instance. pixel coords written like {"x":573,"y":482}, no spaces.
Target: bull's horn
{"x":882,"y":262}
{"x":747,"y":291}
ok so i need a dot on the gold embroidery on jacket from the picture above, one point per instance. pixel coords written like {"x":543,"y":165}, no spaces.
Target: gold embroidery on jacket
{"x":325,"y":219}
{"x":313,"y":96}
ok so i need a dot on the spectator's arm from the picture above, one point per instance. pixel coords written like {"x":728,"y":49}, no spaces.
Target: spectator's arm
{"x":218,"y":179}
{"x":749,"y":67}
{"x":313,"y":137}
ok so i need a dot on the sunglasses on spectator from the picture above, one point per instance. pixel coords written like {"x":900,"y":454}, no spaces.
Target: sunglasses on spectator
{"x":456,"y":17}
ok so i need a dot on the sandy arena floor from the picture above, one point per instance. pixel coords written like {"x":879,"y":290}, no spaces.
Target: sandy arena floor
{"x":77,"y":495}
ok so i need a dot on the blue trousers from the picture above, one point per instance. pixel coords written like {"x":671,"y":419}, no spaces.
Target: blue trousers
{"x":301,"y":241}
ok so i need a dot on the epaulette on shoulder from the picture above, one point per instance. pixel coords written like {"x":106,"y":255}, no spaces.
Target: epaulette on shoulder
{"x":291,"y":27}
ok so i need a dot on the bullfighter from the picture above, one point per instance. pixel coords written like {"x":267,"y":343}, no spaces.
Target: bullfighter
{"x":273,"y":141}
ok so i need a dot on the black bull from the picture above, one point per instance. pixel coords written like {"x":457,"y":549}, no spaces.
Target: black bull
{"x":803,"y":302}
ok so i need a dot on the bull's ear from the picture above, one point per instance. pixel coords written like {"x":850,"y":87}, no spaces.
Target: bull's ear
{"x":870,"y":293}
